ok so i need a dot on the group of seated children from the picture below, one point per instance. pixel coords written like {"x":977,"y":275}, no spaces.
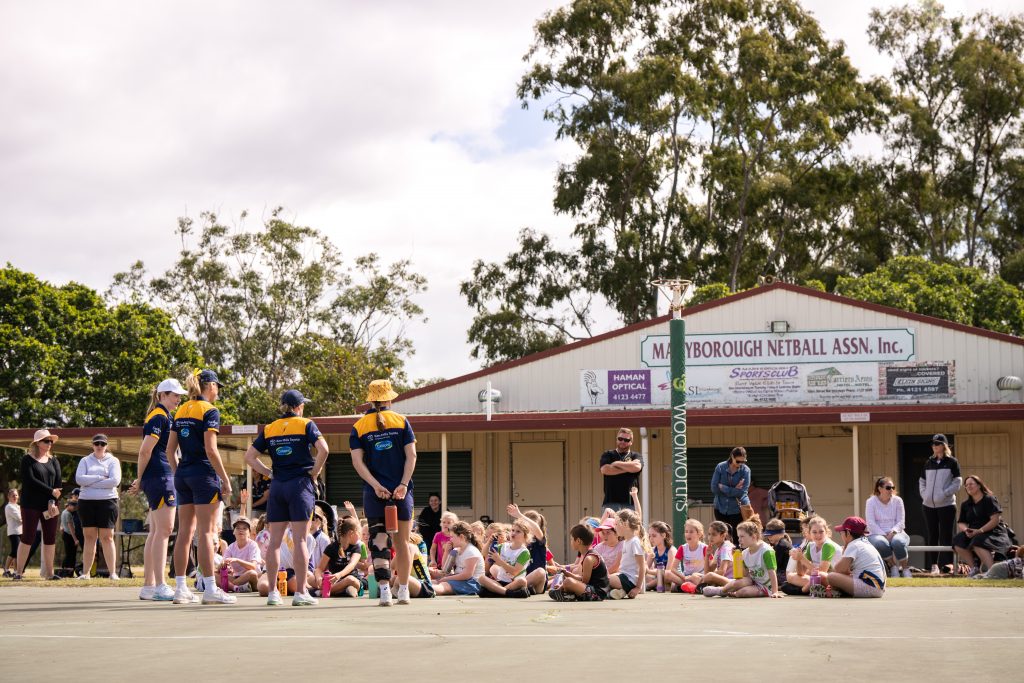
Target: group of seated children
{"x":613,"y":558}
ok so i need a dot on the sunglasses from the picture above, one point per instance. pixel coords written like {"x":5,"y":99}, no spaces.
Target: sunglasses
{"x":625,"y":440}
{"x":889,"y":487}
{"x":48,"y":442}
{"x":101,"y":444}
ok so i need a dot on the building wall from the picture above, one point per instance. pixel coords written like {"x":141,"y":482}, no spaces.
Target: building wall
{"x":552,"y":382}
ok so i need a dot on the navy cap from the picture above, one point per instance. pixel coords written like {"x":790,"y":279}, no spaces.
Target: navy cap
{"x":293,"y":398}
{"x":208,"y":376}
{"x":939,"y":438}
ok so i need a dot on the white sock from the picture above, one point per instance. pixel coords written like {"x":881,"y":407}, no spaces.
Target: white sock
{"x":179,"y":582}
{"x":403,"y":587}
{"x":210,"y":583}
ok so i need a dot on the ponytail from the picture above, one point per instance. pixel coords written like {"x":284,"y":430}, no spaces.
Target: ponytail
{"x":154,"y":399}
{"x":195,"y":390}
{"x":380,"y":418}
{"x":467,"y":532}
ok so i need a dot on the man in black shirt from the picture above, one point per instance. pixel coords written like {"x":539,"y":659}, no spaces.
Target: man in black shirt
{"x":621,"y":469}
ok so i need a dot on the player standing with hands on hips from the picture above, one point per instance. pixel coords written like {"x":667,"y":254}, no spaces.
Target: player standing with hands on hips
{"x":384,"y":454}
{"x":290,"y":440}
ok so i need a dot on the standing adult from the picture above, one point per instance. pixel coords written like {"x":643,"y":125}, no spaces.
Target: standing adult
{"x":384,"y":454}
{"x":938,"y":486}
{"x":12,"y":513}
{"x":290,"y":440}
{"x":730,"y":485}
{"x":40,"y":489}
{"x":621,"y":469}
{"x":200,"y":483}
{"x":887,"y":521}
{"x":982,"y":532}
{"x":428,"y":522}
{"x":157,"y":483}
{"x":98,"y":476}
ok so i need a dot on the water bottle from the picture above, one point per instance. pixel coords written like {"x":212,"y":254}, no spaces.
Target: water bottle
{"x":325,"y":586}
{"x":814,"y":589}
{"x":282,"y":582}
{"x":556,"y":581}
{"x":391,"y":517}
{"x":449,"y":562}
{"x":737,"y":563}
{"x":661,"y":579}
{"x":373,"y":591}
{"x":225,"y":584}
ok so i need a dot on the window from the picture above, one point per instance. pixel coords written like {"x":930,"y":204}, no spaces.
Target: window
{"x":344,"y":484}
{"x":763,"y":462}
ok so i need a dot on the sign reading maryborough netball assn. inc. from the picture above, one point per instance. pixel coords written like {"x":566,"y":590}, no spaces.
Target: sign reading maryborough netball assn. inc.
{"x":767,"y":348}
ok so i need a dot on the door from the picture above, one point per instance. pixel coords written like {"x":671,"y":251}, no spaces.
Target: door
{"x":538,"y":483}
{"x":826,"y":470}
{"x":987,"y":456}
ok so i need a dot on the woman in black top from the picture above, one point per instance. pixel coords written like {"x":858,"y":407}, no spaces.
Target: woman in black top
{"x":982,"y":532}
{"x":40,"y":488}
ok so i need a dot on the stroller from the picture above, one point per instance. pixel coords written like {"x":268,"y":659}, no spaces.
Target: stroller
{"x":790,"y":502}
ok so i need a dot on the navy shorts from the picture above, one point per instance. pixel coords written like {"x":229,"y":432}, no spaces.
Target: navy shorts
{"x":373,"y":507}
{"x":159,"y":492}
{"x":291,"y":500}
{"x":196,"y":489}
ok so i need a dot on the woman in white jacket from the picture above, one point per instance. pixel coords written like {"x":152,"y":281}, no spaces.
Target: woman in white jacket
{"x":98,"y":475}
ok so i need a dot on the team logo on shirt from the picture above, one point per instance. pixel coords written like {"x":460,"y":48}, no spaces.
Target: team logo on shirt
{"x":156,"y":431}
{"x":284,"y":450}
{"x":184,"y":432}
{"x":382,"y":445}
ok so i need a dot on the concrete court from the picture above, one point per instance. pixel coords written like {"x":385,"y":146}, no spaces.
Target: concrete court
{"x":926,"y":634}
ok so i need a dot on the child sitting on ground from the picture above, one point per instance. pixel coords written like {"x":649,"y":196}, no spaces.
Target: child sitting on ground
{"x":508,"y":566}
{"x":536,"y":571}
{"x":662,"y":549}
{"x":469,"y":564}
{"x":590,"y":583}
{"x":441,"y":543}
{"x":776,"y":536}
{"x":287,"y":544}
{"x":243,"y":558}
{"x":497,"y":533}
{"x":760,"y":579}
{"x":340,"y":561}
{"x":718,"y":569}
{"x":1012,"y":568}
{"x":610,"y":547}
{"x":419,"y":578}
{"x":687,"y":566}
{"x":818,"y":554}
{"x":632,"y":574}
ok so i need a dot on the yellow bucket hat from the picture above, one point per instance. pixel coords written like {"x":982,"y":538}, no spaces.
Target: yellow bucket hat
{"x":380,"y":390}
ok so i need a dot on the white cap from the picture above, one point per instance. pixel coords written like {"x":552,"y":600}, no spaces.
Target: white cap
{"x":171,"y":385}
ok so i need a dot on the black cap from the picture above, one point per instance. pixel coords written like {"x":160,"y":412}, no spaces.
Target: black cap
{"x":940,"y":438}
{"x":208,"y":376}
{"x":100,"y":438}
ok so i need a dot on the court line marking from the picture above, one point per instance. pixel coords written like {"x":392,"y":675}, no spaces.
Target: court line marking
{"x":469,"y":636}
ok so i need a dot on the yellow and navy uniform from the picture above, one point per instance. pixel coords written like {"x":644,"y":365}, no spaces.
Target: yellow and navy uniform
{"x":383,"y":449}
{"x":158,"y":426}
{"x":290,"y":442}
{"x":191,"y":422}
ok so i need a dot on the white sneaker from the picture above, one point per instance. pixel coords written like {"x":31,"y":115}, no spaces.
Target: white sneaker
{"x":147,"y":593}
{"x":385,"y":596}
{"x":617,"y":594}
{"x":83,"y":577}
{"x":183,"y":596}
{"x":274,"y":598}
{"x":402,"y":596}
{"x":163,"y":593}
{"x":303,"y":600}
{"x":115,"y":577}
{"x":218,"y":597}
{"x":894,"y":572}
{"x":907,"y":574}
{"x":712,"y":591}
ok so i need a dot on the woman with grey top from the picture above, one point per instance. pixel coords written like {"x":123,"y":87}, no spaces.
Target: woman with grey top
{"x":99,"y":475}
{"x":938,"y":486}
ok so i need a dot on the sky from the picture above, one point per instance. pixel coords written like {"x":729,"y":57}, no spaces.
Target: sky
{"x":391,"y":127}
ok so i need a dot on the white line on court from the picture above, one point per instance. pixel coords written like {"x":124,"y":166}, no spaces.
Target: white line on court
{"x":468,"y":636}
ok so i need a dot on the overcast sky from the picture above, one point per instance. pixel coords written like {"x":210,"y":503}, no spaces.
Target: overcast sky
{"x":390,"y":126}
